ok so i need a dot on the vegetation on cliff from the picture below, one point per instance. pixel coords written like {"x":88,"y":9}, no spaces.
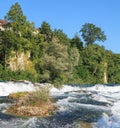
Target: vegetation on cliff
{"x":46,"y":55}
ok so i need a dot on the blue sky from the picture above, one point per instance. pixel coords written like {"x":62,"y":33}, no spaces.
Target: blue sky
{"x":70,"y":15}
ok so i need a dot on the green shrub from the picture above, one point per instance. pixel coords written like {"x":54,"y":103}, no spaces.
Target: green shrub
{"x":38,"y":97}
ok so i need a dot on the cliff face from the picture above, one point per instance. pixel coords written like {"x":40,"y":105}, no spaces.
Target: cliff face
{"x":20,"y":61}
{"x":105,"y":73}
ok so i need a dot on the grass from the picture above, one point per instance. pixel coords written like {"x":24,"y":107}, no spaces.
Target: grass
{"x":37,"y":103}
{"x":38,"y":97}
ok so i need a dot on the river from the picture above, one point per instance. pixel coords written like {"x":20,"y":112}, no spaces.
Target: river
{"x":80,"y":106}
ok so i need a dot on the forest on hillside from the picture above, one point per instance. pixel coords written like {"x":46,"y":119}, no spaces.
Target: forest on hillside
{"x":46,"y":55}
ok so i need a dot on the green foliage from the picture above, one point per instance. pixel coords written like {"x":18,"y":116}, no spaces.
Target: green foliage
{"x":76,"y":42}
{"x":54,"y":62}
{"x":15,"y":14}
{"x":16,"y":18}
{"x":91,"y":33}
{"x":17,"y":75}
{"x":38,"y":98}
{"x":54,"y":57}
{"x":46,"y":30}
{"x":1,"y":71}
{"x":10,"y":41}
{"x":90,"y":68}
{"x":113,"y":68}
{"x":74,"y":57}
{"x":60,"y":37}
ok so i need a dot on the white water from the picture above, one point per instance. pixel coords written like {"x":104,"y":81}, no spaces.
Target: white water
{"x":11,"y":87}
{"x":102,"y":93}
{"x":65,"y":88}
{"x":113,"y":94}
{"x":108,"y":94}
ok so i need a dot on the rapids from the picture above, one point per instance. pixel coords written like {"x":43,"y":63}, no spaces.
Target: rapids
{"x":80,"y":106}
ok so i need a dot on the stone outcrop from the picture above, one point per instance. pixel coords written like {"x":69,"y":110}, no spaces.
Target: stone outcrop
{"x":105,"y":73}
{"x":19,"y":61}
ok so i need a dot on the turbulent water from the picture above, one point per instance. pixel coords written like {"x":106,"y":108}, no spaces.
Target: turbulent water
{"x":80,"y":106}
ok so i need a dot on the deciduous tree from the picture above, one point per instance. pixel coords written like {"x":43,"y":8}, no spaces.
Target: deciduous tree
{"x":92,"y":33}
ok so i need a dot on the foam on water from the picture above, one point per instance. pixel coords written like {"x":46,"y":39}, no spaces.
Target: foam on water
{"x":112,"y":121}
{"x":70,"y":99}
{"x":108,"y":94}
{"x":65,"y":88}
{"x":31,"y":123}
{"x":105,"y":88}
{"x":4,"y":106}
{"x":11,"y":87}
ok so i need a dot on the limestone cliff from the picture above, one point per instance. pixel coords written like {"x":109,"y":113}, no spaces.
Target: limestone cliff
{"x":20,"y":61}
{"x":105,"y":73}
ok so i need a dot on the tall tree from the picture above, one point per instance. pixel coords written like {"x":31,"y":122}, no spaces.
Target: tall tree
{"x":113,"y":67}
{"x":60,"y":37}
{"x":92,"y":33}
{"x":18,"y":21}
{"x":76,"y":42}
{"x":93,"y":63}
{"x":54,"y":63}
{"x":15,"y":14}
{"x":46,"y":30}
